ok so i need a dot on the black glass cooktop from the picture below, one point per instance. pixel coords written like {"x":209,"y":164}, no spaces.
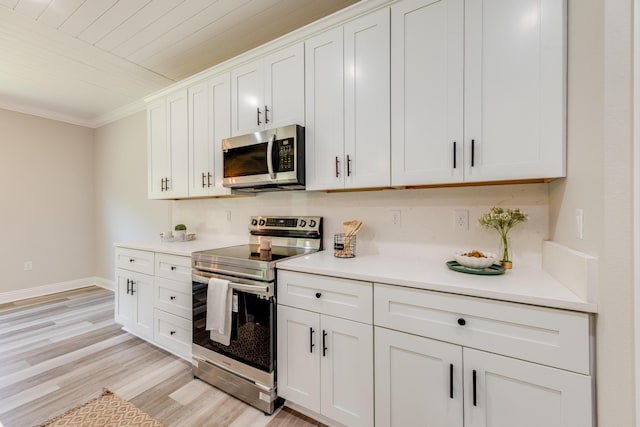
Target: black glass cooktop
{"x":252,"y":252}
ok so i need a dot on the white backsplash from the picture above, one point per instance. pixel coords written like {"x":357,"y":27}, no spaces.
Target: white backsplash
{"x":427,"y":223}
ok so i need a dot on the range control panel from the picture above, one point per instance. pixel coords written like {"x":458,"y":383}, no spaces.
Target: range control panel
{"x":294,"y":223}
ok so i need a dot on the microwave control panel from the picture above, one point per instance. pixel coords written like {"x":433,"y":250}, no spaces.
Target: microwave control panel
{"x":286,"y":155}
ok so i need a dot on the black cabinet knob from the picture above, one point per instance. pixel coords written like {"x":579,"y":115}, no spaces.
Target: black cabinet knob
{"x":172,"y":297}
{"x":173,"y":332}
{"x":318,"y":294}
{"x":462,"y":322}
{"x":173,"y":267}
{"x":131,"y":260}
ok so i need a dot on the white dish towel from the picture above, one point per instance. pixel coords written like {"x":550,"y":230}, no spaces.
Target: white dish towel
{"x":219,"y":297}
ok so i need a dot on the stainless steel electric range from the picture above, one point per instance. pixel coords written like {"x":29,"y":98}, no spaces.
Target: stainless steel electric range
{"x":246,"y":367}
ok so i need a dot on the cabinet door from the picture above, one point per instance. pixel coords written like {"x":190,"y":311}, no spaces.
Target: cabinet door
{"x":367,"y":101}
{"x":515,"y":84}
{"x":299,"y":349}
{"x":173,"y":297}
{"x":173,"y":333}
{"x":178,"y":135}
{"x":510,"y":392}
{"x":284,"y":87}
{"x":157,"y":148}
{"x":134,"y":302}
{"x":200,"y":143}
{"x":418,"y":381}
{"x":125,"y":304}
{"x":142,"y":290}
{"x":347,"y":371}
{"x":427,"y":91}
{"x":220,"y":116}
{"x":324,"y":136}
{"x":247,"y":98}
{"x":209,"y":123}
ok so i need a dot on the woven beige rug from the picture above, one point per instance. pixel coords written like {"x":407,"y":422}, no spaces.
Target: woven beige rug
{"x":107,"y":410}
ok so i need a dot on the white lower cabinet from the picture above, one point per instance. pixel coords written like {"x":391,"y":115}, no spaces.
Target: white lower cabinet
{"x":449,"y":384}
{"x":421,"y":379}
{"x":511,"y":392}
{"x":417,"y":380}
{"x":153,"y":298}
{"x":325,"y":363}
{"x":134,"y":302}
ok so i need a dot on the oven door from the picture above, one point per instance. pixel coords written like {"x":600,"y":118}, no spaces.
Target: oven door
{"x":253,"y":320}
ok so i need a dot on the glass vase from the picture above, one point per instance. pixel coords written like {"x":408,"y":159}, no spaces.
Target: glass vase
{"x":505,"y":248}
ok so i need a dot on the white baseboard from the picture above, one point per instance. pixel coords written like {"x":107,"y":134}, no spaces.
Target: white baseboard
{"x":104,"y":283}
{"x":54,"y":288}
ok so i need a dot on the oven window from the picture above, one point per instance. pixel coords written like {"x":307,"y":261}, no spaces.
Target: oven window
{"x":252,"y":332}
{"x":248,"y":160}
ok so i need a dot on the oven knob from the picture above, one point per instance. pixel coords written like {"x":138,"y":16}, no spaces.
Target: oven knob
{"x":254,"y":222}
{"x":262,"y":222}
{"x":303,"y":223}
{"x":312,"y":223}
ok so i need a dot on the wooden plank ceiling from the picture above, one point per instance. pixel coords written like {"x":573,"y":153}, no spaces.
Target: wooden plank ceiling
{"x":87,"y":61}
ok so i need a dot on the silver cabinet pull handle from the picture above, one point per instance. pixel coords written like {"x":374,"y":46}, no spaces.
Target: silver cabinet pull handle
{"x":272,"y":174}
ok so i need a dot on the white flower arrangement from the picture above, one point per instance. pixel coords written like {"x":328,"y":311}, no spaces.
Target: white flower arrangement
{"x":503,"y":220}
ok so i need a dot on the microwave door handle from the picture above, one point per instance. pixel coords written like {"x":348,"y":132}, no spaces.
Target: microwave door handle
{"x":272,"y":174}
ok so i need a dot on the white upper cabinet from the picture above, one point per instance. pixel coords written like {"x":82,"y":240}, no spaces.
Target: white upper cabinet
{"x":348,"y":105}
{"x":427,"y":53}
{"x":367,"y":101}
{"x":514,"y":89}
{"x":324,"y":133}
{"x":158,"y":151}
{"x":268,"y":92}
{"x":209,"y":123}
{"x":167,"y":145}
{"x":478,"y":90}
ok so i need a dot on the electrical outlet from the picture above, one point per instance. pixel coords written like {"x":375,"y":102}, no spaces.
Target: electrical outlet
{"x":461,"y":220}
{"x":28,"y":265}
{"x":396,"y":219}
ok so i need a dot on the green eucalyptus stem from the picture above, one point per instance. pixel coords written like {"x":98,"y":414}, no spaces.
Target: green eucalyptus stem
{"x":505,"y":246}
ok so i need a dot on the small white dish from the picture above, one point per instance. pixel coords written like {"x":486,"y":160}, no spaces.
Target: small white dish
{"x":485,"y":261}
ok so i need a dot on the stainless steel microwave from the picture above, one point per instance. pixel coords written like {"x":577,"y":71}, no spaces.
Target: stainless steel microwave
{"x":265,"y":161}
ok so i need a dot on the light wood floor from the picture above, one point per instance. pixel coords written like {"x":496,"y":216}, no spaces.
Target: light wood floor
{"x":58,"y":351}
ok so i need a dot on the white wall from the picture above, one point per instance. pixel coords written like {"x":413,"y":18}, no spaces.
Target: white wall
{"x":47,"y":214}
{"x":600,"y":181}
{"x":123,"y":212}
{"x":426,"y":217}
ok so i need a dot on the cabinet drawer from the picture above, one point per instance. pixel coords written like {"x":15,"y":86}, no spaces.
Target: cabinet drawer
{"x":548,"y":336}
{"x":173,"y":333}
{"x":349,"y":299}
{"x":173,"y":267}
{"x":173,"y":296}
{"x":135,"y":260}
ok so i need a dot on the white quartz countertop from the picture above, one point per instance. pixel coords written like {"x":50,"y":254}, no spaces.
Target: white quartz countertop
{"x":528,"y":285}
{"x":182,"y":248}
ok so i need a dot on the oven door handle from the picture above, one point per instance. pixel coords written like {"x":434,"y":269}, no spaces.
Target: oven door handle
{"x":254,"y":289}
{"x":272,"y":174}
